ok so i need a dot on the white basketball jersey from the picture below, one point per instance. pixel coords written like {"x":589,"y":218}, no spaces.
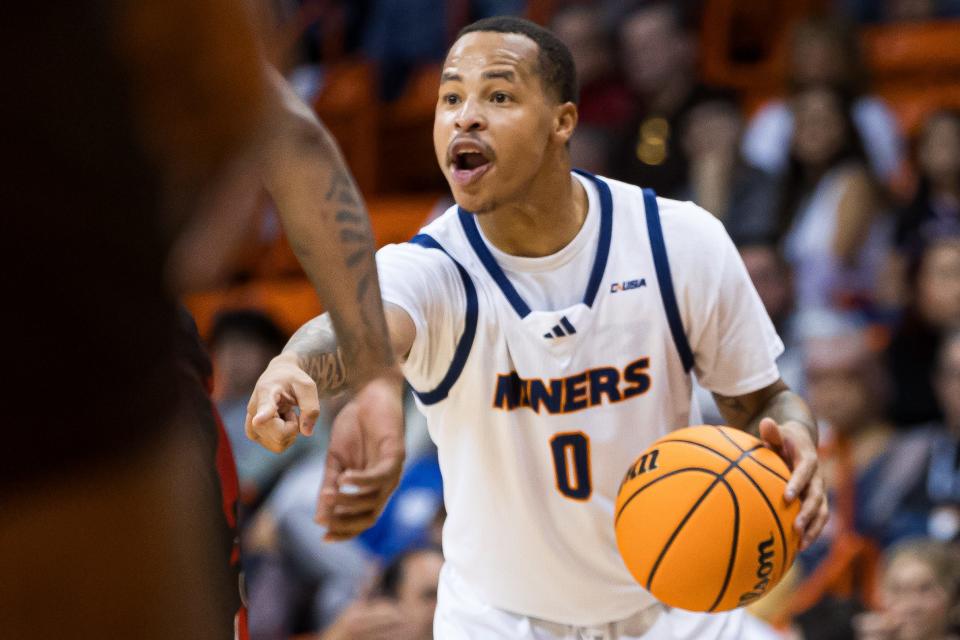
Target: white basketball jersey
{"x":537,"y":414}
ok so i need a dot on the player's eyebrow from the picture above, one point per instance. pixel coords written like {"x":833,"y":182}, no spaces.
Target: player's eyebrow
{"x":497,"y":74}
{"x":503,"y":74}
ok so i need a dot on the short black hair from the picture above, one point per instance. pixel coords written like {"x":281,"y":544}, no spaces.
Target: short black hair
{"x":557,"y":70}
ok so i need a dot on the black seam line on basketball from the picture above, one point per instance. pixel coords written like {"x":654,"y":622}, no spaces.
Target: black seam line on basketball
{"x":653,"y":482}
{"x":769,"y":469}
{"x":699,"y":444}
{"x":776,"y":518}
{"x":733,"y":548}
{"x":728,"y":438}
{"x":734,"y":443}
{"x":676,"y":532}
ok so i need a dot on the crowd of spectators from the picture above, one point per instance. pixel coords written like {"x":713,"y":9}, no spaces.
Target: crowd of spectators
{"x":861,"y":279}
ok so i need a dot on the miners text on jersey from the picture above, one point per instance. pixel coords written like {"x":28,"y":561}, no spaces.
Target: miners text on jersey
{"x":575,"y":392}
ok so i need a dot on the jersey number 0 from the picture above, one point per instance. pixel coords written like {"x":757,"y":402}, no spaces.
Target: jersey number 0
{"x":571,"y":461}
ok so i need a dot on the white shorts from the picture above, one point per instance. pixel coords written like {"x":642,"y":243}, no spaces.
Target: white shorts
{"x":461,"y":615}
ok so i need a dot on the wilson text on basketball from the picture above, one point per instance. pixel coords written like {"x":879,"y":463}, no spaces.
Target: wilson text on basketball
{"x":764,"y":569}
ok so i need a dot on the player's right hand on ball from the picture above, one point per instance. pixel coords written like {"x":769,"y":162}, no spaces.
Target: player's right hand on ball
{"x":271,"y":418}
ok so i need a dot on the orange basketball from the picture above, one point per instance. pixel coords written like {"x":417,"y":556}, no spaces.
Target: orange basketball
{"x":701,"y":521}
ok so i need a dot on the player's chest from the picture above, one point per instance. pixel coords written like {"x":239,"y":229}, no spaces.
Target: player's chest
{"x":554,"y":364}
{"x":626,"y":317}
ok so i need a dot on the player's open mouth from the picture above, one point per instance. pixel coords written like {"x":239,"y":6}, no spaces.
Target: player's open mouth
{"x":469,"y":160}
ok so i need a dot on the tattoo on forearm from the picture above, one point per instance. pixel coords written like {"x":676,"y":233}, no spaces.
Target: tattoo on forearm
{"x":327,"y":370}
{"x":329,"y":230}
{"x":777,"y":402}
{"x":342,"y":190}
{"x":353,"y":229}
{"x":315,"y":345}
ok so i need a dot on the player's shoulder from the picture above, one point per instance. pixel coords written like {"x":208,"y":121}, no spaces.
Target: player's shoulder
{"x":681,"y":221}
{"x":696,"y":240}
{"x":684,"y":218}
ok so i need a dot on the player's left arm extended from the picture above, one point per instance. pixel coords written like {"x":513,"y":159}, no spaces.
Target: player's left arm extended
{"x":785,"y":423}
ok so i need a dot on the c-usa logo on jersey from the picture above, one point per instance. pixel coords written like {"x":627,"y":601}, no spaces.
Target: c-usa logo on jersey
{"x":626,"y":285}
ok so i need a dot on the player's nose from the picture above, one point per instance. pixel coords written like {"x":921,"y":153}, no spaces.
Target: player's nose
{"x":470,"y":116}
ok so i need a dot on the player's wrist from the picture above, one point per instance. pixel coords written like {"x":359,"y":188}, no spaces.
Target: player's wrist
{"x":388,"y":376}
{"x":287,"y":358}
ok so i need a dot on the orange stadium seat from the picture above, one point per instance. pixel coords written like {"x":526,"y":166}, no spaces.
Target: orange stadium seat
{"x":290,"y":302}
{"x":280,"y":288}
{"x":913,"y":102}
{"x":405,"y":149}
{"x":393,"y":219}
{"x":389,"y":147}
{"x":743,"y":44}
{"x":916,"y":67}
{"x":348,"y":107}
{"x":930,"y":49}
{"x":398,"y":218}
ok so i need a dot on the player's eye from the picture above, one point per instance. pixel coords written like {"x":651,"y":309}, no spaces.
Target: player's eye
{"x":500,"y":97}
{"x":451,"y":98}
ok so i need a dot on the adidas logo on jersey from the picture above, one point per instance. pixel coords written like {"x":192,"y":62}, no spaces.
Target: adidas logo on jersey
{"x":560,"y":331}
{"x":626,"y":285}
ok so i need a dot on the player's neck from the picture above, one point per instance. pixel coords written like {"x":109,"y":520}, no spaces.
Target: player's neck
{"x":545,"y":221}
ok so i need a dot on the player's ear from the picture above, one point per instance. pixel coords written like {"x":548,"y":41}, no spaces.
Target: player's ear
{"x":565,"y":121}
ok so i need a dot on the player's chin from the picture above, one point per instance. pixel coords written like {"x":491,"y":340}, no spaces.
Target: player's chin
{"x":474,"y":202}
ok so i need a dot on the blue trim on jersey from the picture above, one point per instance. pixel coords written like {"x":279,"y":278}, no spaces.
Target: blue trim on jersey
{"x":469,"y":224}
{"x":659,"y":249}
{"x":606,"y":232}
{"x":470,"y":228}
{"x":465,"y":343}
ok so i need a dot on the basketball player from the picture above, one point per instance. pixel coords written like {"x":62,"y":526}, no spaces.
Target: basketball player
{"x":550,"y":324}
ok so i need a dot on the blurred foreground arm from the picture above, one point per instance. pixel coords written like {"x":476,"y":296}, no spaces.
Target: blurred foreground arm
{"x":327,"y":226}
{"x":349,"y":348}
